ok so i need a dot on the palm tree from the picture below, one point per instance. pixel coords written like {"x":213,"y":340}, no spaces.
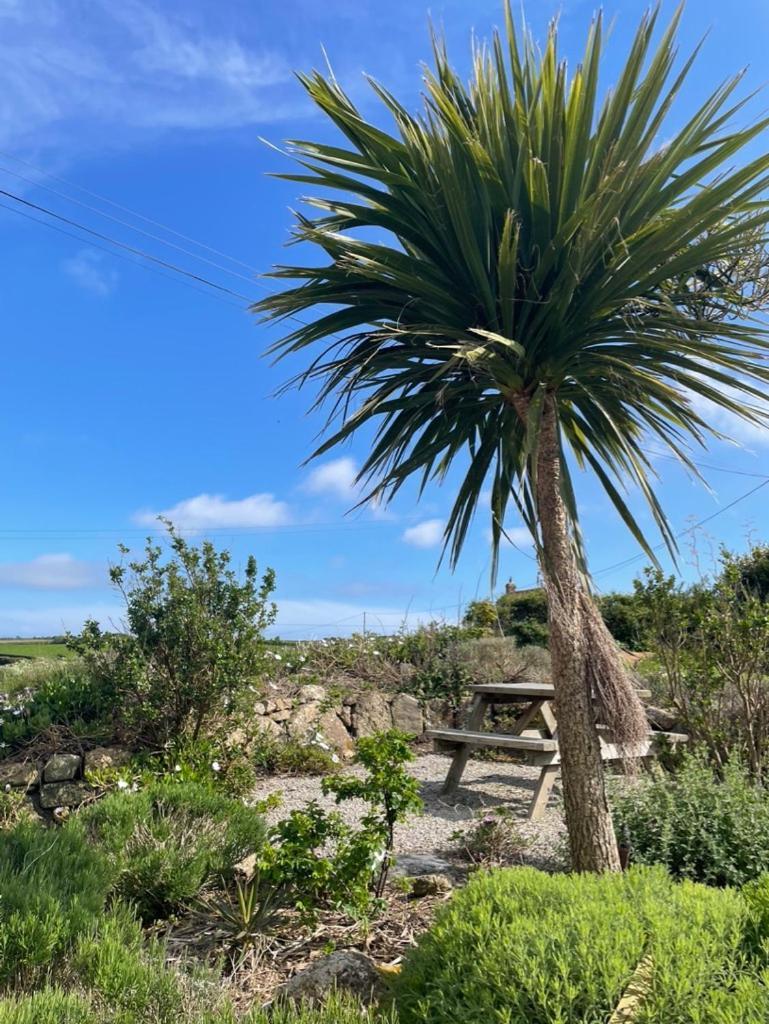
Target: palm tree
{"x":548,"y":286}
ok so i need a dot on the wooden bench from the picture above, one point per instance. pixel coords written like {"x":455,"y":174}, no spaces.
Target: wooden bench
{"x":537,"y":746}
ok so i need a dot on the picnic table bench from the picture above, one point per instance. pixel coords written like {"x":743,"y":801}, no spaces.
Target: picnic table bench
{"x":537,"y":746}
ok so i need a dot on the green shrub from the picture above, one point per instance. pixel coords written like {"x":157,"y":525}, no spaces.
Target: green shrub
{"x":53,"y":885}
{"x":194,"y":641}
{"x":702,"y":827}
{"x":49,"y":1006}
{"x":339,"y":1009}
{"x":272,"y":756}
{"x":169,"y":841}
{"x":389,"y":790}
{"x":518,"y":945}
{"x":66,"y":694}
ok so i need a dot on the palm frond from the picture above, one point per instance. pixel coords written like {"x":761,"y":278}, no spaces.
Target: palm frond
{"x":535,"y":242}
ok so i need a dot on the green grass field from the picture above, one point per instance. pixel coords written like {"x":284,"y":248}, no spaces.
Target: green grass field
{"x":33,"y":649}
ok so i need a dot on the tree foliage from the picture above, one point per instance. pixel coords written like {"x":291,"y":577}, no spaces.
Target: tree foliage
{"x":530,"y":240}
{"x":193,"y":640}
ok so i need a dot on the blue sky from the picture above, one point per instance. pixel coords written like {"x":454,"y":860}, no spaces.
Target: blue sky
{"x":128,"y":391}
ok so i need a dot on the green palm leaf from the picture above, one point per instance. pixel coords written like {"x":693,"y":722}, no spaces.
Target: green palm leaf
{"x":535,"y":243}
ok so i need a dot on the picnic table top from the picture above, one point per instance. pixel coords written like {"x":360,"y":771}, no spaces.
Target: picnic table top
{"x":542,"y":691}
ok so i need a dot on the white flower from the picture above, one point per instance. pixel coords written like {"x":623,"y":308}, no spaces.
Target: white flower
{"x":376,"y":653}
{"x":335,"y":758}
{"x":122,"y":784}
{"x":8,"y":787}
{"x":177,"y":767}
{"x":302,"y":657}
{"x":278,"y":657}
{"x":215,"y":766}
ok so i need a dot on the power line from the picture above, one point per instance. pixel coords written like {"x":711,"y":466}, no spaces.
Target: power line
{"x":123,"y":245}
{"x":126,"y":224}
{"x":126,"y":209}
{"x":122,"y":256}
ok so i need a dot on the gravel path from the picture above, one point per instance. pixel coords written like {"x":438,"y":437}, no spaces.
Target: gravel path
{"x":485,"y":785}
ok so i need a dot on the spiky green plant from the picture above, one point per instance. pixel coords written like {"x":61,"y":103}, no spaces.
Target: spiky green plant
{"x":550,"y":287}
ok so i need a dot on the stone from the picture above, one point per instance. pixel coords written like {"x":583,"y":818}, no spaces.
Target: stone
{"x":662,"y":718}
{"x":274,"y":729}
{"x":303,"y":721}
{"x":311,"y":692}
{"x":430,"y":885}
{"x":281,"y":715}
{"x":345,"y":713}
{"x":332,"y":728}
{"x":63,"y":794}
{"x":18,"y":775}
{"x":62,"y":768}
{"x":372,"y":714}
{"x":106,"y":757}
{"x":260,"y":708}
{"x":344,"y":970}
{"x":237,"y":740}
{"x":407,"y":714}
{"x":414,"y":865}
{"x":245,"y":869}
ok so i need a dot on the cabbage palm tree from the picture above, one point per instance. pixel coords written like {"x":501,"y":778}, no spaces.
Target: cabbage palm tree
{"x":542,"y":285}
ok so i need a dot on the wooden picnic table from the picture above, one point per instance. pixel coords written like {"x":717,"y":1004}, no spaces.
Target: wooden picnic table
{"x":538,"y":746}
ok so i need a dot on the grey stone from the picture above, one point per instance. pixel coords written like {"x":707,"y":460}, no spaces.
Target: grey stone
{"x":662,"y":718}
{"x":430,"y":885}
{"x":303,"y":721}
{"x":346,"y":970}
{"x":414,"y":865}
{"x":63,"y":794}
{"x":260,"y":708}
{"x":18,"y":775}
{"x":245,"y":870}
{"x":332,"y":729}
{"x":280,"y":715}
{"x":62,"y":768}
{"x":276,"y":730}
{"x":407,"y":714}
{"x":372,"y":714}
{"x":311,"y":692}
{"x":105,"y":757}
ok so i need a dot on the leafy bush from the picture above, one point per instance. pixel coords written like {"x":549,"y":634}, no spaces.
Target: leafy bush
{"x":701,"y":826}
{"x":272,"y":756}
{"x":496,"y":840}
{"x":387,"y":788}
{"x":53,"y":885}
{"x":519,"y":945}
{"x":711,"y":641}
{"x":66,"y":694}
{"x":195,"y":639}
{"x":169,"y":841}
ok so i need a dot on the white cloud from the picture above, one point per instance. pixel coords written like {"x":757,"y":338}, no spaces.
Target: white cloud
{"x":336,"y":478}
{"x":86,"y":268}
{"x":211,"y":511}
{"x":51,"y":572}
{"x":518,"y":536}
{"x":425,"y":535}
{"x":131,"y":65}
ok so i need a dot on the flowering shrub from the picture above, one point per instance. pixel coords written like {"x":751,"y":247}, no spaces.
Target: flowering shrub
{"x":195,"y":640}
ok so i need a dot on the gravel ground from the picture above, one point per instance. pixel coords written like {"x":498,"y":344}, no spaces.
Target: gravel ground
{"x":485,"y":785}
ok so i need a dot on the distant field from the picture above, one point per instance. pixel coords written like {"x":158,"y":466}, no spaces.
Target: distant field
{"x":33,"y":649}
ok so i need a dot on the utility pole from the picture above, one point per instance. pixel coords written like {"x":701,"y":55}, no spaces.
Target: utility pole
{"x":364,"y":625}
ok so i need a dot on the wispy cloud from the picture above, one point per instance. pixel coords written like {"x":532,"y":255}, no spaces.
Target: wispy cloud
{"x":132,"y":66}
{"x":51,"y":572}
{"x":212,"y":511}
{"x":518,"y":536}
{"x":87,"y":269}
{"x":428,"y":534}
{"x":336,"y":478}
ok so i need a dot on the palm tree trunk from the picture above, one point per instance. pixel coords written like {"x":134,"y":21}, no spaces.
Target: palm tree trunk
{"x":591,"y":832}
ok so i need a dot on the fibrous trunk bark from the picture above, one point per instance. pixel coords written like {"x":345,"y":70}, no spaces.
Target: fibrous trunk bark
{"x":585,"y":666}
